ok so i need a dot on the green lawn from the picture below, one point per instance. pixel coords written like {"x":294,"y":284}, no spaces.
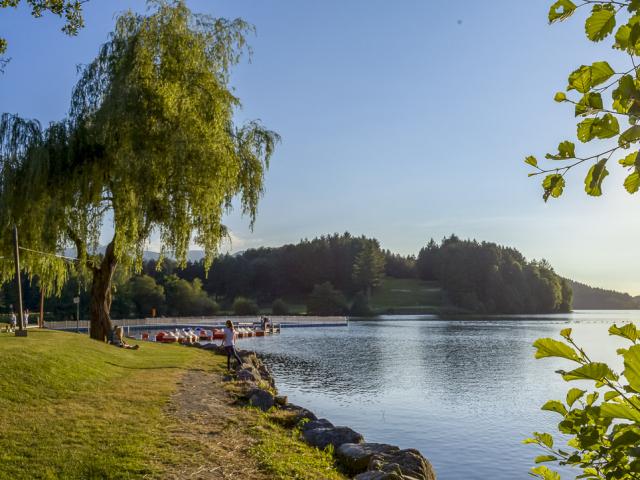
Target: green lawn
{"x":71,"y":407}
{"x":406,"y":294}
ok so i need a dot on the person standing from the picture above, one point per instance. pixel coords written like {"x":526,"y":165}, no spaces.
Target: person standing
{"x":229,"y":344}
{"x":12,"y":322}
{"x":26,"y":318}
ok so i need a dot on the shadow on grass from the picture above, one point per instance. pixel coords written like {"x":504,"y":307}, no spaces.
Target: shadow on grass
{"x":157,"y":368}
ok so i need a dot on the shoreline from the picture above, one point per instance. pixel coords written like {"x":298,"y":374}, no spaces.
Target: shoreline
{"x":255,"y":387}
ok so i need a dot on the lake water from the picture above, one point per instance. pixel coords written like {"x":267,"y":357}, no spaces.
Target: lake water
{"x":463,"y":392}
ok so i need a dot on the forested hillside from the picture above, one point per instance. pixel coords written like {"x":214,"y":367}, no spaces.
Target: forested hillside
{"x":592,"y":298}
{"x":333,"y":274}
{"x":488,"y":278}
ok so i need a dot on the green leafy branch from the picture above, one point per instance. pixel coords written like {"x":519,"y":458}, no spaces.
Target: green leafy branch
{"x":618,"y":118}
{"x":605,"y":435}
{"x":70,"y":10}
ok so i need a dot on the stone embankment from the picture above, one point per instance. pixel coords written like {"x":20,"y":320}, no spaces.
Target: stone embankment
{"x":361,"y":460}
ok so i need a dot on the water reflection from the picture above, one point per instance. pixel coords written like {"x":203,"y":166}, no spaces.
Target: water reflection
{"x":465,"y":392}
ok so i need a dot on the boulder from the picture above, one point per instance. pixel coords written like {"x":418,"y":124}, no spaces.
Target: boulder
{"x":336,"y":436}
{"x":374,"y":475}
{"x":355,"y":457}
{"x":280,"y":400}
{"x":260,"y":399}
{"x":409,"y":463}
{"x":313,"y":424}
{"x":248,"y":375}
{"x":300,"y":412}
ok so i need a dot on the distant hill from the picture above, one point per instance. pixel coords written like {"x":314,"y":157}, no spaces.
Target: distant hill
{"x":593,"y":298}
{"x":192,"y":255}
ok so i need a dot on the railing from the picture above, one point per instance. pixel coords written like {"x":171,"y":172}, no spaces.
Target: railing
{"x":289,"y":320}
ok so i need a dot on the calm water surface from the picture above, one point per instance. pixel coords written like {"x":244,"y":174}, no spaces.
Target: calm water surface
{"x":463,"y":392}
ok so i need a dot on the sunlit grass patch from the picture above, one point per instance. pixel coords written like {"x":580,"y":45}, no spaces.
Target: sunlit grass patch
{"x":281,"y":452}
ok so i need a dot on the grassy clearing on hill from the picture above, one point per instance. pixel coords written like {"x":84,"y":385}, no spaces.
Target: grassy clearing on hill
{"x":71,"y":407}
{"x":406,"y":294}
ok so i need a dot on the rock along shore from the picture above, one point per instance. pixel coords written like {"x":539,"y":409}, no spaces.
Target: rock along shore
{"x":362,"y":460}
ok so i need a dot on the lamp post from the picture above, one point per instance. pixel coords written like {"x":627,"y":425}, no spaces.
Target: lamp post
{"x":21,"y":332}
{"x":76,"y":300}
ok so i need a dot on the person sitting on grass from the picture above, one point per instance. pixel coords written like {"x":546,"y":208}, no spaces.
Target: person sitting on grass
{"x":229,"y":344}
{"x":117,"y":339}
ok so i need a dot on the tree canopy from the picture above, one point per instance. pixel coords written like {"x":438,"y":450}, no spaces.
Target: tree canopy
{"x":487,"y":278}
{"x":150,"y":146}
{"x":606,"y":100}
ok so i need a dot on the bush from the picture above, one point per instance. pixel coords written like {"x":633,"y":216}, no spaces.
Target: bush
{"x":278,"y":307}
{"x":326,"y":300}
{"x":605,"y":434}
{"x":360,"y":306}
{"x":244,"y":306}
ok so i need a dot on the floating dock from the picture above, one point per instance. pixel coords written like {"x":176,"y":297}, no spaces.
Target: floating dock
{"x":209,"y":323}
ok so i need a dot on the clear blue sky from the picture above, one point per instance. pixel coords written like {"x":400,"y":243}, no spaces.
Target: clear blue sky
{"x":400,"y":120}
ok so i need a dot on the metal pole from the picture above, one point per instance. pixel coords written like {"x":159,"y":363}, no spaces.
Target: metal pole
{"x":78,"y":309}
{"x":41,"y":321}
{"x":21,"y":332}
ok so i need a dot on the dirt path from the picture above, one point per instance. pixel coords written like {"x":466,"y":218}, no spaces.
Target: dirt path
{"x":208,"y":425}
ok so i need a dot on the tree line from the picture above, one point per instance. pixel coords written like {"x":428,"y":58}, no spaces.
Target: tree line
{"x":487,"y":278}
{"x":331,"y":274}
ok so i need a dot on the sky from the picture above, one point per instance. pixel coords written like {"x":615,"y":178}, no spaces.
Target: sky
{"x":400,"y":120}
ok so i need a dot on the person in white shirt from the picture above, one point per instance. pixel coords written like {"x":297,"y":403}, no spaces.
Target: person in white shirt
{"x":26,"y":318}
{"x":12,"y":322}
{"x":229,"y":344}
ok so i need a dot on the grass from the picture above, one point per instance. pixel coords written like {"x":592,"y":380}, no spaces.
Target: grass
{"x":74,"y":408}
{"x":285,"y":457}
{"x":71,"y":407}
{"x":406,"y":294}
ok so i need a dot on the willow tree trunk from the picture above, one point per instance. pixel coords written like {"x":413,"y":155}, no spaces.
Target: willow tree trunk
{"x":100,"y":305}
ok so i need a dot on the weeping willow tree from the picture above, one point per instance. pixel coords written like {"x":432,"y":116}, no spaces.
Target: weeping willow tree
{"x":150,"y":147}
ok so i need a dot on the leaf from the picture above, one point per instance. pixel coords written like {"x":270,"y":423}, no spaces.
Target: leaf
{"x":573,"y":395}
{"x":631,"y":135}
{"x":605,"y":127}
{"x":627,"y":331}
{"x":548,"y":347}
{"x":592,"y":397}
{"x":561,"y":10}
{"x":610,"y":395}
{"x":600,"y":24}
{"x":593,"y":181}
{"x":622,"y":37}
{"x":626,"y":95}
{"x":531,"y":160}
{"x":554,"y":406}
{"x":632,"y":367}
{"x":629,"y":160}
{"x":544,"y":438}
{"x":586,"y":77}
{"x":617,"y":410}
{"x":566,"y":150}
{"x":560,"y":97}
{"x":632,"y":182}
{"x":544,"y":473}
{"x":553,"y":186}
{"x":589,"y":104}
{"x":566,"y":333}
{"x":591,"y":371}
{"x":545,"y":458}
{"x":626,"y":437}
